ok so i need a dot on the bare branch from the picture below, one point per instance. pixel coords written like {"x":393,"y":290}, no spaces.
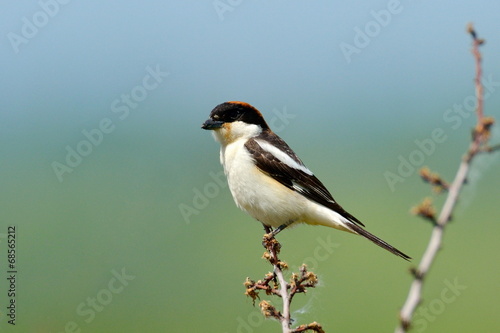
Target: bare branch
{"x":479,"y":73}
{"x":481,"y":134}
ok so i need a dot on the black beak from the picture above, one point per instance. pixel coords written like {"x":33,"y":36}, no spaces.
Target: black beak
{"x":211,"y":124}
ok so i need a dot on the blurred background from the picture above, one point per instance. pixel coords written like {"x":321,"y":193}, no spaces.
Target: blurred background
{"x":124,"y":222}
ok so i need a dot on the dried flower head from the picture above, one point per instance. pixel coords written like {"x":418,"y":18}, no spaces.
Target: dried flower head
{"x":482,"y":131}
{"x":470,"y":30}
{"x":282,"y":265}
{"x":426,"y":210}
{"x":268,"y":310}
{"x":250,"y":292}
{"x":311,"y":278}
{"x":438,"y":184}
{"x":248,"y":283}
{"x":314,"y":326}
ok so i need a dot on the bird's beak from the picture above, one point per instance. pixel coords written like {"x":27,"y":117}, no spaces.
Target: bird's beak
{"x":211,"y":124}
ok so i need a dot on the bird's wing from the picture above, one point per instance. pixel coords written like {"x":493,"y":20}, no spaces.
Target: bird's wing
{"x":283,"y":165}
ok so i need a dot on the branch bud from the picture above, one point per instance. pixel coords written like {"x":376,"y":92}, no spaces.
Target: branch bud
{"x":425,"y":210}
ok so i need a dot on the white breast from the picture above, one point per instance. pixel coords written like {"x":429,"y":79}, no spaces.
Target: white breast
{"x":256,"y":193}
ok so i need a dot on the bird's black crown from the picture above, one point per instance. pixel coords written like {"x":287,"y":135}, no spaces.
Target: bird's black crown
{"x":238,"y":111}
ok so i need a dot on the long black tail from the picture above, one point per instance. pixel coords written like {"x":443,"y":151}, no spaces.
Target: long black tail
{"x":359,"y":230}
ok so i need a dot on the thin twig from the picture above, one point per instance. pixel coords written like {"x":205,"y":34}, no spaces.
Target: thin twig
{"x":476,"y":42}
{"x":273,"y":247}
{"x":275,"y":284}
{"x":480,"y":138}
{"x":415,"y":294}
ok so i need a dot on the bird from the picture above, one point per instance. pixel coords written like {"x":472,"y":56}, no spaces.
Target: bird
{"x":269,"y":181}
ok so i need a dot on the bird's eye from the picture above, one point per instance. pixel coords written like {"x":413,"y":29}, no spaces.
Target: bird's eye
{"x":234,"y":114}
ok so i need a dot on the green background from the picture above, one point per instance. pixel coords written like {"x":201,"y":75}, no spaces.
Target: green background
{"x":120,"y":209}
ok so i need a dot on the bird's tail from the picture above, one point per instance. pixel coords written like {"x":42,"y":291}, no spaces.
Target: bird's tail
{"x":360,"y":231}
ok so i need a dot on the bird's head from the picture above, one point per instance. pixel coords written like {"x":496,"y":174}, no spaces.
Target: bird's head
{"x":232,"y":121}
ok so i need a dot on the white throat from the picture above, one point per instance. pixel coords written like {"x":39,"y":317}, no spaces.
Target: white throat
{"x":238,"y":130}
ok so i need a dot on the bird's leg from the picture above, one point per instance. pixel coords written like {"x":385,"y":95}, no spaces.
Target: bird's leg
{"x":267,"y":228}
{"x":270,"y":233}
{"x":280,"y":228}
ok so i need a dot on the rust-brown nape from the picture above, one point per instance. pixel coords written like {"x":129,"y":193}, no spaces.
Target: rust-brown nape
{"x":245,"y":104}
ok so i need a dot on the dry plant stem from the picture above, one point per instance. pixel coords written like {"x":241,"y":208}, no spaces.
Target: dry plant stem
{"x":479,"y":139}
{"x":275,"y":284}
{"x":285,"y":316}
{"x":479,"y":73}
{"x":414,"y":296}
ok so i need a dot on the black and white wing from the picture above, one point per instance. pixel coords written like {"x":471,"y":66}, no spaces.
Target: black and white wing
{"x":275,"y":158}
